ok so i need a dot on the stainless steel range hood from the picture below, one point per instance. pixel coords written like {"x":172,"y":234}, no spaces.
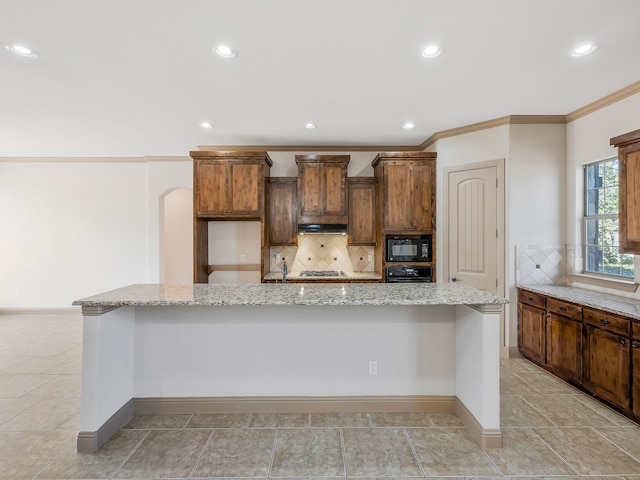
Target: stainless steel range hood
{"x":320,"y":228}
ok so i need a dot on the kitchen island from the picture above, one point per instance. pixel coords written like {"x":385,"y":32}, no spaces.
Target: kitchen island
{"x":290,"y":347}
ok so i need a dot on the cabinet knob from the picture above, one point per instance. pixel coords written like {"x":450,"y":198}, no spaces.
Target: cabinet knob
{"x":604,"y":321}
{"x":622,"y":341}
{"x":635,"y":345}
{"x":531,"y":299}
{"x":563,"y":309}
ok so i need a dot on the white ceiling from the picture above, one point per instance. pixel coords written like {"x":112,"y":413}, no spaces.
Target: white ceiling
{"x":137,"y":77}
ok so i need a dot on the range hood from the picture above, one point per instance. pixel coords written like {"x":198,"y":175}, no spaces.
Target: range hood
{"x":319,"y":228}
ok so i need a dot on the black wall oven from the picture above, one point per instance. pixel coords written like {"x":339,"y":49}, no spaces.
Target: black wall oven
{"x":409,"y":274}
{"x":408,"y":248}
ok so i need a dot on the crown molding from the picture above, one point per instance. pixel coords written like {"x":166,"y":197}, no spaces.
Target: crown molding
{"x":604,"y":102}
{"x":311,"y":148}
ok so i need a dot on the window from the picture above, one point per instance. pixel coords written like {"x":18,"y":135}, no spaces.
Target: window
{"x":602,"y":254}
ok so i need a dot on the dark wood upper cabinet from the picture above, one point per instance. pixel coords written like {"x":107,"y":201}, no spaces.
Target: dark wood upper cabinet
{"x":229,"y":184}
{"x":407,"y":189}
{"x":629,"y":190}
{"x":283,"y":211}
{"x":322,"y":189}
{"x":362,"y":226}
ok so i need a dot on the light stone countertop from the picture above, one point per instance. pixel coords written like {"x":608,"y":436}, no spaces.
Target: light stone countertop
{"x":603,"y":301}
{"x":292,"y":294}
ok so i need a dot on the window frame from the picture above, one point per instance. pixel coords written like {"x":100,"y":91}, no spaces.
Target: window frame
{"x":599,"y":217}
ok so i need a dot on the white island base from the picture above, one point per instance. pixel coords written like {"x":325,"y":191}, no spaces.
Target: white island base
{"x":177,"y":358}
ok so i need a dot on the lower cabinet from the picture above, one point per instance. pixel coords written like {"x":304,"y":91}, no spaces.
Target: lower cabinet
{"x":595,"y":350}
{"x":635,"y":368}
{"x":531,"y":332}
{"x":564,"y":346}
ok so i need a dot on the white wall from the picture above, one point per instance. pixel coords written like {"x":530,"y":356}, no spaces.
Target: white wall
{"x":176,"y":239}
{"x":535,"y":181}
{"x":587,"y":142}
{"x":70,"y":229}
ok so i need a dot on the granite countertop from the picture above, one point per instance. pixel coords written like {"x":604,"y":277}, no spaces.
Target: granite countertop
{"x":292,"y":294}
{"x":603,"y":301}
{"x":350,"y":277}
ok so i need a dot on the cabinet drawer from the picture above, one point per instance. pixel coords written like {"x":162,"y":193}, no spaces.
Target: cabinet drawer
{"x":564,"y":308}
{"x":532,"y":299}
{"x":607,"y":321}
{"x":635,"y":330}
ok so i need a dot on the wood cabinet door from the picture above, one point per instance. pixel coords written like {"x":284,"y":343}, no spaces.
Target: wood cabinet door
{"x":635,"y":382}
{"x":334,"y":189}
{"x":606,"y":370}
{"x":310,"y":190}
{"x":246,"y":188}
{"x":396,"y":203}
{"x":421,"y":176}
{"x":211,"y":187}
{"x":362,"y":213}
{"x":531,"y":332}
{"x":629,"y":200}
{"x":283,"y":212}
{"x":564,"y":347}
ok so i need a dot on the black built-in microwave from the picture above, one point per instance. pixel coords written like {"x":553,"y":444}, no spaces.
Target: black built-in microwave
{"x":408,"y":248}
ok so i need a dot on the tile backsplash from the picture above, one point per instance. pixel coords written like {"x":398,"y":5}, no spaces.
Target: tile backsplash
{"x":323,"y":252}
{"x":542,"y":264}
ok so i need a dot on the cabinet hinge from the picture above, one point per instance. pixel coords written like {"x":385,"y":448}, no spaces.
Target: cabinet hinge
{"x":496,"y":233}
{"x":496,"y":282}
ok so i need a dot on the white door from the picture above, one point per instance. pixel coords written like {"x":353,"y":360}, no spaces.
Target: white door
{"x":474,"y":230}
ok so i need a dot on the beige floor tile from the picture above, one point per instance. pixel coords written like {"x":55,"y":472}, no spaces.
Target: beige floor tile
{"x":601,"y":409}
{"x":219,"y":420}
{"x":62,"y":386}
{"x":379,"y":452}
{"x":446,"y":420}
{"x":515,"y":411}
{"x":446,"y":452}
{"x":340,"y":420}
{"x":10,"y":407}
{"x":626,"y":438}
{"x":19,"y":385}
{"x":6,"y":436}
{"x":524,"y":453}
{"x":400,"y":419}
{"x":237,"y":453}
{"x":271,"y":420}
{"x":32,"y":365}
{"x":588,"y":452}
{"x":160,"y":421}
{"x":308,"y":452}
{"x":101,"y":464}
{"x":66,"y":366}
{"x":546,"y":383}
{"x":29,"y":452}
{"x":165,"y":454}
{"x":47,"y":414}
{"x":566,"y":411}
{"x":514,"y":385}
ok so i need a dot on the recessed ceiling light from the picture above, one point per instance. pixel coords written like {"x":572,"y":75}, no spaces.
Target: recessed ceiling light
{"x":431,"y":51}
{"x":583,"y":49}
{"x":310,"y":125}
{"x":408,"y":126}
{"x":225,"y":51}
{"x":206,"y":125}
{"x":22,"y":51}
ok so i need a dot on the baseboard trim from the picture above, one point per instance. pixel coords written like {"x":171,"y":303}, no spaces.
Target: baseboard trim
{"x":89,"y":442}
{"x":514,"y":352}
{"x":485,"y":437}
{"x":40,"y":311}
{"x":412,"y":403}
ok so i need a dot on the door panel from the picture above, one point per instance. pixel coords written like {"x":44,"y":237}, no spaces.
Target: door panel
{"x":473,"y":246}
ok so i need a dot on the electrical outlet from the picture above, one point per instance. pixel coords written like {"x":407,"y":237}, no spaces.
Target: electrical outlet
{"x":278,"y":257}
{"x":370,"y":258}
{"x":243,"y":258}
{"x":16,"y":295}
{"x":373,"y":367}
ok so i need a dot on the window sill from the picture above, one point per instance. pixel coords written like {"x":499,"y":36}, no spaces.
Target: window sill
{"x":603,"y":282}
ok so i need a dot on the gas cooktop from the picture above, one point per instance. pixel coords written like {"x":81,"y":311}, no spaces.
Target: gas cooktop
{"x":322,"y":273}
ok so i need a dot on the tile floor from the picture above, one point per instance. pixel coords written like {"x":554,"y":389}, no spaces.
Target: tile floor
{"x":550,"y":430}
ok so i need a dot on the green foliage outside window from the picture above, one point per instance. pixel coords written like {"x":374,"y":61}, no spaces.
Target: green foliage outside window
{"x":602,"y":252}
